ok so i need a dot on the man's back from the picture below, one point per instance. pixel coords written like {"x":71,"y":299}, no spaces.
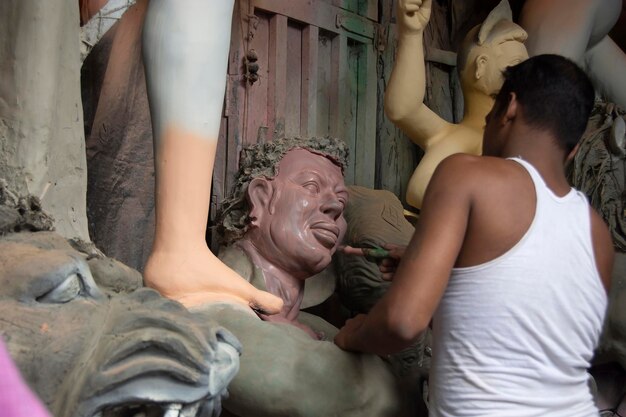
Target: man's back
{"x":517,"y":325}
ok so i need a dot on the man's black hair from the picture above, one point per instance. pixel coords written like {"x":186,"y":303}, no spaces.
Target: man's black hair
{"x":555,"y":95}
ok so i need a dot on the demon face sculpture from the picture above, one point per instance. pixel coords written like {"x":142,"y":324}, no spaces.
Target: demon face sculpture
{"x":87,"y":353}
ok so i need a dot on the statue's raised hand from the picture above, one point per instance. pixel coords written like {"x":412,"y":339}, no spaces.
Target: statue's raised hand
{"x":413,"y":15}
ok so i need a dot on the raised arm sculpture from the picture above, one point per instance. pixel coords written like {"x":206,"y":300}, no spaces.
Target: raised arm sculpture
{"x":485,"y":52}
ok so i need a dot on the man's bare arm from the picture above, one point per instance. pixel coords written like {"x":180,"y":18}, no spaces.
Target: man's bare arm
{"x":404,"y":96}
{"x":603,"y":248}
{"x":422,"y":276}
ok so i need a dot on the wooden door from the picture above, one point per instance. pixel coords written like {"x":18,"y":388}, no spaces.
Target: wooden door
{"x":316,"y":77}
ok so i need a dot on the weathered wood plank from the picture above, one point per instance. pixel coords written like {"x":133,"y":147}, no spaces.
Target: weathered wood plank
{"x":229,"y":142}
{"x":438,"y":93}
{"x":320,"y":14}
{"x":397,"y":156}
{"x":308,"y":103}
{"x":277,"y":77}
{"x":339,"y":93}
{"x":365,"y":8}
{"x":293,"y":92}
{"x":349,"y":113}
{"x":324,"y":93}
{"x":365,"y":150}
{"x":255,"y":111}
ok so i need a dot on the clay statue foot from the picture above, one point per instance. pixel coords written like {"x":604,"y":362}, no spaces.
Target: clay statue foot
{"x":194,"y":277}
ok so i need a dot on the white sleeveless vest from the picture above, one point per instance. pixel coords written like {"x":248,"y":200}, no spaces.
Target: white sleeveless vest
{"x":514,"y":336}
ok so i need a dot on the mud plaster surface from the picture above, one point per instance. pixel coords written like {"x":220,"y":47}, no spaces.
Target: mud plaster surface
{"x":42,"y":148}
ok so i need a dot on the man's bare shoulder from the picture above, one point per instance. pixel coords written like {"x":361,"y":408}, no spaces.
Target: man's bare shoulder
{"x":481,"y":179}
{"x":465,"y":168}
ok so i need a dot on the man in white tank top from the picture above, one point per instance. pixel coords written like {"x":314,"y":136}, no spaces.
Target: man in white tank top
{"x":510,"y":263}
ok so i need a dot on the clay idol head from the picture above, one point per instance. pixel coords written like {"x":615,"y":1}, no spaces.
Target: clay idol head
{"x":289,"y":202}
{"x":489,"y":48}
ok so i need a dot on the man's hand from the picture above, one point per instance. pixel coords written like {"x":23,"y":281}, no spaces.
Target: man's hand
{"x":389,"y":264}
{"x":387,"y":258}
{"x":413,"y":15}
{"x":346,"y":338}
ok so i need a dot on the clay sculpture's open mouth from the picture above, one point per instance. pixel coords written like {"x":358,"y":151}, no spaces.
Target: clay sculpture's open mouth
{"x":157,"y":365}
{"x":204,"y":408}
{"x":169,"y":393}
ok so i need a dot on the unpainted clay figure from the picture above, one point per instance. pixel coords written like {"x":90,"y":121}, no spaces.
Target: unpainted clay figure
{"x":578,"y":29}
{"x":286,"y":216}
{"x":485,"y":52}
{"x":185,"y":47}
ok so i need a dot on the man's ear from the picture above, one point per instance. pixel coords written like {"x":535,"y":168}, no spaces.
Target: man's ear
{"x":572,"y":154}
{"x":481,"y":63}
{"x":511,"y":108}
{"x":260,"y":191}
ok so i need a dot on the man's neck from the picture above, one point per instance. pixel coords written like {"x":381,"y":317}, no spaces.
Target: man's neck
{"x":277,"y":281}
{"x":540,"y":150}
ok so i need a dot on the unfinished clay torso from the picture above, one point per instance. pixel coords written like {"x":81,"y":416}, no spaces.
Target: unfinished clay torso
{"x":458,"y":139}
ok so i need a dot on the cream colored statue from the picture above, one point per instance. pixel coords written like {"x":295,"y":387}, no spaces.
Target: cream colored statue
{"x":486,"y":51}
{"x":578,"y":29}
{"x":185,"y":47}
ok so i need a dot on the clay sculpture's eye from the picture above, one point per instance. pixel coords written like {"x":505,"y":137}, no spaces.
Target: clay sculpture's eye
{"x":68,"y":290}
{"x":312,"y":186}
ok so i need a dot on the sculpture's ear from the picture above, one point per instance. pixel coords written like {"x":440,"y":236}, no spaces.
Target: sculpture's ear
{"x":260,"y":191}
{"x":481,"y":63}
{"x":501,"y":12}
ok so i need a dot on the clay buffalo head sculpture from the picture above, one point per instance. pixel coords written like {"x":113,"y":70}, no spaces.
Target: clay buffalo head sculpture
{"x":88,"y":353}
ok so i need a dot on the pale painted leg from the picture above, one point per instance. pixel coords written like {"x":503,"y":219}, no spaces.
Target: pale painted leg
{"x":186,"y":47}
{"x":606,"y":65}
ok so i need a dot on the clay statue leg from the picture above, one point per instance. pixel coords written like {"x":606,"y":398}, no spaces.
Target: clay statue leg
{"x":606,"y":65}
{"x":185,"y":47}
{"x":577,"y":29}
